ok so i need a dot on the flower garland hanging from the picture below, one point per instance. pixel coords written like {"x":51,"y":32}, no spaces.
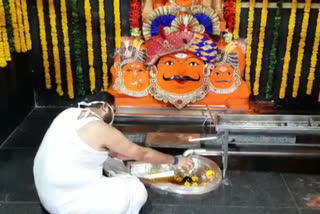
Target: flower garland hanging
{"x":314,"y":56}
{"x":64,"y":23}
{"x":15,"y":27}
{"x":229,"y":14}
{"x":135,"y":15}
{"x":55,"y":45}
{"x":263,"y":24}
{"x":287,"y":56}
{"x":92,"y":77}
{"x":44,"y":47}
{"x":273,"y":56}
{"x":24,"y":10}
{"x":302,"y":44}
{"x":9,"y":25}
{"x":77,"y":43}
{"x":237,"y":20}
{"x":3,"y":35}
{"x":21,"y":27}
{"x":3,"y":60}
{"x":104,"y":53}
{"x":117,"y":24}
{"x":249,"y":41}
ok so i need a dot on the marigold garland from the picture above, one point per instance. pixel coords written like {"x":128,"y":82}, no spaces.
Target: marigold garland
{"x":3,"y":36}
{"x":44,"y":47}
{"x":92,"y":77}
{"x":21,"y":27}
{"x":15,"y":27}
{"x":6,"y":5}
{"x":64,"y":23}
{"x":237,"y":20}
{"x":117,"y":24}
{"x":302,"y":44}
{"x":104,"y":54}
{"x":229,"y":14}
{"x":56,"y":56}
{"x":287,"y":56}
{"x":273,"y":56}
{"x":77,"y":43}
{"x":26,"y":24}
{"x":314,"y":57}
{"x":264,"y":17}
{"x":249,"y":41}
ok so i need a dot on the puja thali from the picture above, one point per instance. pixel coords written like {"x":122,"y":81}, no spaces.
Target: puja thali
{"x":205,"y":177}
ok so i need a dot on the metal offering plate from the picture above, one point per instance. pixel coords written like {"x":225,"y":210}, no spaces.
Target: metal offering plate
{"x":202,"y":167}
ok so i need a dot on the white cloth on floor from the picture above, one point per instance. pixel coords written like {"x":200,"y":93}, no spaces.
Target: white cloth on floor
{"x":69,"y":177}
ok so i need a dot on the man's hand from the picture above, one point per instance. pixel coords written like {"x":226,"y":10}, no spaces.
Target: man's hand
{"x":185,"y":163}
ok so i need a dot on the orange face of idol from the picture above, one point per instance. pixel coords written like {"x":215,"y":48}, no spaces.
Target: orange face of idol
{"x":222,"y":77}
{"x":180,"y":73}
{"x":183,"y":3}
{"x":136,"y":76}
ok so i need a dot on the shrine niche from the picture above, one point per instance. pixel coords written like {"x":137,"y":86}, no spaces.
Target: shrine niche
{"x":182,"y":61}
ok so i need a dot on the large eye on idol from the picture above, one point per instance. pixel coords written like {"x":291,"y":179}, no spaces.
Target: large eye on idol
{"x":129,"y":70}
{"x":193,"y":64}
{"x":169,"y":63}
{"x":217,"y":73}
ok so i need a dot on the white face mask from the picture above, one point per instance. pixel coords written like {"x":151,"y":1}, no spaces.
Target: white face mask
{"x":83,"y":103}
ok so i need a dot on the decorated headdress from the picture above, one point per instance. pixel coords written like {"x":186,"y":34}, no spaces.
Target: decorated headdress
{"x":167,"y":32}
{"x":131,"y":51}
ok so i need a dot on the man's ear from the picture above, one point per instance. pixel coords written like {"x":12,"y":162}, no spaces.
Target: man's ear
{"x":105,"y":107}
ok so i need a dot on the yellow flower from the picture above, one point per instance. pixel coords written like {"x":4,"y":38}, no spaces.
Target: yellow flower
{"x":26,"y":24}
{"x":302,"y":44}
{"x":3,"y":62}
{"x":43,"y":42}
{"x":3,"y":32}
{"x":237,"y":20}
{"x":14,"y":19}
{"x":56,"y":57}
{"x":287,"y":56}
{"x":87,"y":10}
{"x":117,"y":25}
{"x":104,"y":54}
{"x":249,"y":41}
{"x":20,"y":26}
{"x":64,"y":23}
{"x":314,"y":57}
{"x":264,"y":15}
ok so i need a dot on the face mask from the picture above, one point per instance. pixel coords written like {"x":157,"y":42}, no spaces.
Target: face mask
{"x":83,"y":103}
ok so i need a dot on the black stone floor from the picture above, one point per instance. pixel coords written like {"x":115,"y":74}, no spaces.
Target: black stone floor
{"x":253,"y":185}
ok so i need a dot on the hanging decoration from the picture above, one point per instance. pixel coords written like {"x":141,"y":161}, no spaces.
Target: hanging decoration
{"x":77,"y":44}
{"x":287,"y":56}
{"x":302,"y":44}
{"x":273,"y":56}
{"x":249,"y":41}
{"x":21,"y":27}
{"x":4,"y":44}
{"x":314,"y":56}
{"x":26,"y":24}
{"x":55,"y":47}
{"x":104,"y":53}
{"x":92,"y":77}
{"x":9,"y":25}
{"x":263,"y":24}
{"x":117,"y":24}
{"x":135,"y":15}
{"x":65,"y":31}
{"x":44,"y":46}
{"x":229,"y":14}
{"x":16,"y":36}
{"x":237,"y":20}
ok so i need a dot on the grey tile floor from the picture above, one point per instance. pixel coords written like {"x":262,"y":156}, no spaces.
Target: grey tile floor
{"x":264,"y":186}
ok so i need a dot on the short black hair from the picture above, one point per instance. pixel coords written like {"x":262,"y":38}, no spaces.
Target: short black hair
{"x":100,"y":96}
